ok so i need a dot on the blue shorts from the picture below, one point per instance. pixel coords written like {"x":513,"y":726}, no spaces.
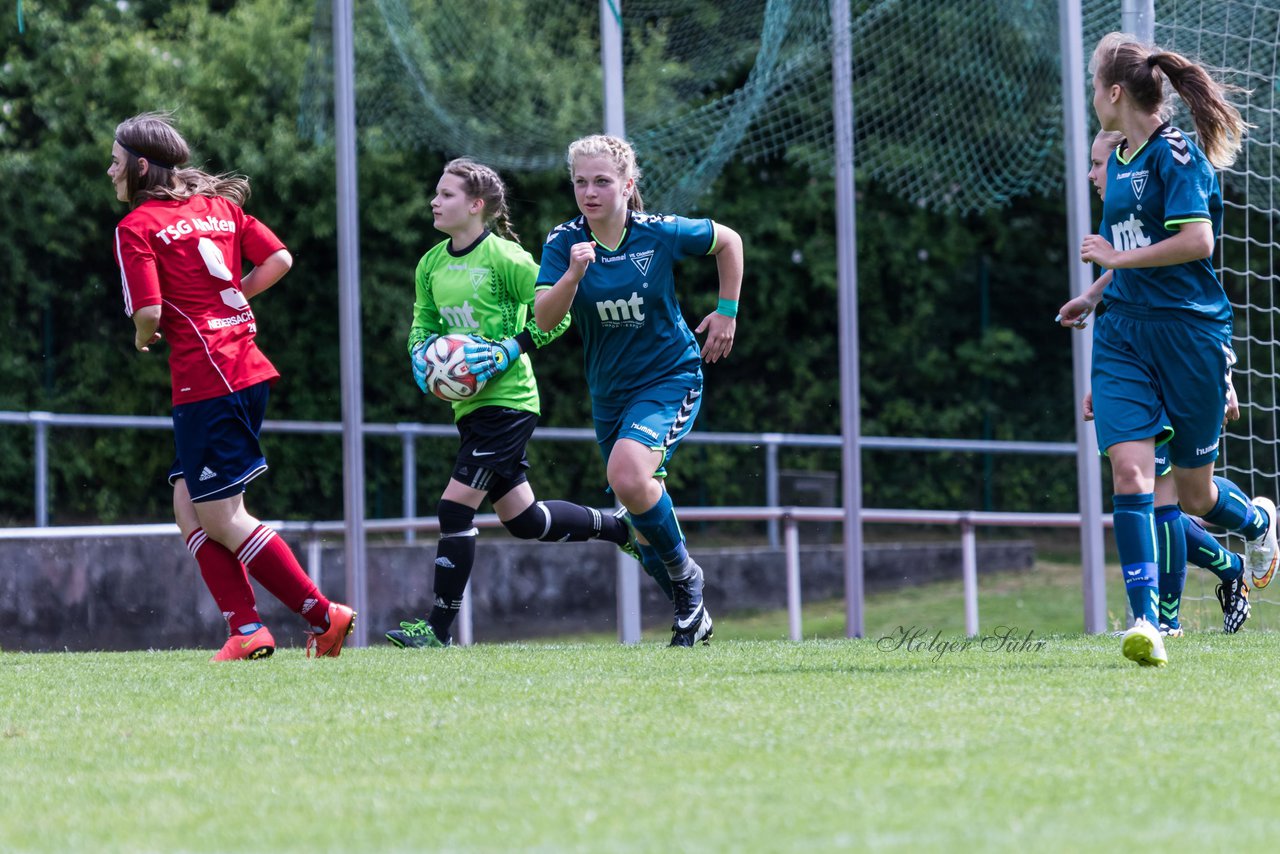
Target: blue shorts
{"x":658,"y":417}
{"x":1163,"y":467}
{"x":1161,"y":374}
{"x":217,"y":440}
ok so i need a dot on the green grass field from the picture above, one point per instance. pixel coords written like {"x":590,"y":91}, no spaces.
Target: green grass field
{"x":1052,"y":742}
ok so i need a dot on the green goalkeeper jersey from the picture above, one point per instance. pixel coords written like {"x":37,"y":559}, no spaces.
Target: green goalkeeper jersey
{"x":486,"y":290}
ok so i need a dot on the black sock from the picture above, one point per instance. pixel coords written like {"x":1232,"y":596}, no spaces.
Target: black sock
{"x":455,"y":555}
{"x":566,"y":522}
{"x":573,"y":523}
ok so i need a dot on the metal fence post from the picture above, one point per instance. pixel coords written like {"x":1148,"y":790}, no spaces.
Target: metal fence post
{"x":466,"y":630}
{"x":314,"y":558}
{"x":628,"y":575}
{"x":969,"y":569}
{"x":41,"y":421}
{"x":771,"y":442}
{"x":793,"y":578}
{"x":408,"y":476}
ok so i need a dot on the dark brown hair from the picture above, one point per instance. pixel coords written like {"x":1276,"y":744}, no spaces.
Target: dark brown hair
{"x":152,"y":137}
{"x":1142,"y":69}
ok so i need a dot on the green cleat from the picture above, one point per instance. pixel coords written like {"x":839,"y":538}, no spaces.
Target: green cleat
{"x":631,"y":548}
{"x":416,"y":635}
{"x":1143,"y":644}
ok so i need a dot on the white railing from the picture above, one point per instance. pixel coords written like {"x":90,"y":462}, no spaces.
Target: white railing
{"x":42,"y":422}
{"x":628,"y":571}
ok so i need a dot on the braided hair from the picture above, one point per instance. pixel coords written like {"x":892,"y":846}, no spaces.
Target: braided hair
{"x":481,"y":182}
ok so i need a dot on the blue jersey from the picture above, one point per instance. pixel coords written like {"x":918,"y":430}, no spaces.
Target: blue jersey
{"x":625,"y":309}
{"x":1166,"y":183}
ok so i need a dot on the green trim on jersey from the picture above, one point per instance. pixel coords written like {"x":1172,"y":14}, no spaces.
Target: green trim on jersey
{"x":606,"y":247}
{"x":1126,"y":161}
{"x":485,"y":290}
{"x":1169,"y":222}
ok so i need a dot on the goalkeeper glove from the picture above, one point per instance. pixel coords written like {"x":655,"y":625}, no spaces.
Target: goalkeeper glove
{"x":487,"y":359}
{"x":418,"y":361}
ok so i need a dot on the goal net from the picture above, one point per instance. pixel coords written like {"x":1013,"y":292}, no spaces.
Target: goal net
{"x":940,"y":88}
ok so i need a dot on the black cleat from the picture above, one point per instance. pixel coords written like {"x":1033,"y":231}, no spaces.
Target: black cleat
{"x":692,"y":623}
{"x":1233,"y":596}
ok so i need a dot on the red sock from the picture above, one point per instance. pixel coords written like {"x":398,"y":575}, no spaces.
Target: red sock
{"x":225,"y":578}
{"x":270,"y":560}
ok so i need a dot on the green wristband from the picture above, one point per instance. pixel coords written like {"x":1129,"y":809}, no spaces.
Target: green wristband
{"x":727,"y":307}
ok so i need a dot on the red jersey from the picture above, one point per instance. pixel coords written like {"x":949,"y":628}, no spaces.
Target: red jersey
{"x":186,"y":257}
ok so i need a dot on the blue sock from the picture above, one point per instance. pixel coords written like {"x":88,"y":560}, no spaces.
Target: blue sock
{"x":1235,"y":512}
{"x":1171,"y":558}
{"x":660,"y":527}
{"x":250,"y":628}
{"x":1206,"y":552}
{"x":652,"y":561}
{"x":1134,"y":517}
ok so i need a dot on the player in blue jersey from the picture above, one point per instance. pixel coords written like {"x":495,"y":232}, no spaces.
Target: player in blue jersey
{"x":481,"y":283}
{"x":1180,"y":539}
{"x":612,"y":267}
{"x":1162,"y":349}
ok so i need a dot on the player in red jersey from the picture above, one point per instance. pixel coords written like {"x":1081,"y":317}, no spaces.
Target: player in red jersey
{"x":181,"y":249}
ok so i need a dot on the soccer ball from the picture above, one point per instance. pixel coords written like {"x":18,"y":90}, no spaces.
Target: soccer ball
{"x":448,"y":376}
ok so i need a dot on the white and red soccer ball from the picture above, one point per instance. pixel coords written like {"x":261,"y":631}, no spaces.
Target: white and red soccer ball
{"x":448,"y":376}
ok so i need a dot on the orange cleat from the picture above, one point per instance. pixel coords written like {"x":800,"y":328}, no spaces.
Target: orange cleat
{"x":240,"y":647}
{"x":328,"y":644}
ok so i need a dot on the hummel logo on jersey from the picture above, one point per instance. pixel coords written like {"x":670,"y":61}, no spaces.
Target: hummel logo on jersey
{"x":459,"y":316}
{"x":1129,"y":234}
{"x":641,"y":260}
{"x":621,"y":312}
{"x":207,"y":474}
{"x":635,"y":425}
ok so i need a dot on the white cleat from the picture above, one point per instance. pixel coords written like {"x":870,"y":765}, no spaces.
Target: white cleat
{"x":1261,"y":555}
{"x":1143,"y":644}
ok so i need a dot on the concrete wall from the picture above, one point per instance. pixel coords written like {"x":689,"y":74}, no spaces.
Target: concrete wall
{"x":142,"y":593}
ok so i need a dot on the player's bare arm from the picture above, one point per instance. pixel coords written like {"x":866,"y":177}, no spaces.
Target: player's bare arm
{"x":1193,"y":242}
{"x":1076,"y":309}
{"x":266,"y":274}
{"x":146,"y":326}
{"x":720,"y":327}
{"x":552,"y":304}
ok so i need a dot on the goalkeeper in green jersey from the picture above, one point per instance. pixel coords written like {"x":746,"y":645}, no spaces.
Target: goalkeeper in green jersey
{"x":480,"y":283}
